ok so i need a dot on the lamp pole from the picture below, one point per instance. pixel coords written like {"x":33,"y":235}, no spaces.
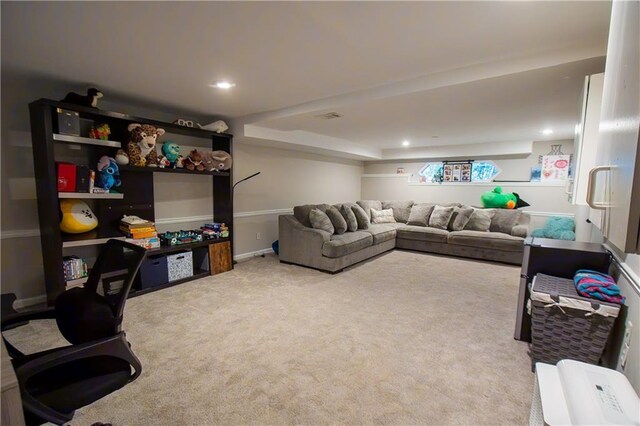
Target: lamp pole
{"x":233,"y":198}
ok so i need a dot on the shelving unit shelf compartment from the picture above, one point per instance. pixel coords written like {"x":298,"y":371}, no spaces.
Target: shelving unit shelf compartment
{"x":137,"y":197}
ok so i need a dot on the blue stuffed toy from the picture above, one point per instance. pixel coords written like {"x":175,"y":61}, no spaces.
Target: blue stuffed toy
{"x":108,"y":173}
{"x":557,"y":228}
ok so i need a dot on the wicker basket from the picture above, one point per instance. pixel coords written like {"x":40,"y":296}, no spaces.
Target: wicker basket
{"x":565,"y":325}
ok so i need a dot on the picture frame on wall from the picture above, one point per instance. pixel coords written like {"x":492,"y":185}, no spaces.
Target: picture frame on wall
{"x":457,"y":171}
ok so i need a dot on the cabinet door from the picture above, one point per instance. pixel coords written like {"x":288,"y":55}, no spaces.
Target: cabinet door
{"x":619,"y":129}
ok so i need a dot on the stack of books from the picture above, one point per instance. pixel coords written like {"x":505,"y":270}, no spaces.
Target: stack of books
{"x":74,"y":268}
{"x":140,"y":231}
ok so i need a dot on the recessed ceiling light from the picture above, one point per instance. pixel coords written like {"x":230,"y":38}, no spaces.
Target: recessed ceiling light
{"x":547,"y":132}
{"x":223,"y":84}
{"x":406,"y":143}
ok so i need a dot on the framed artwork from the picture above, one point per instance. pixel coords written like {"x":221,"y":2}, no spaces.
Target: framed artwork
{"x":555,"y":168}
{"x":457,"y":171}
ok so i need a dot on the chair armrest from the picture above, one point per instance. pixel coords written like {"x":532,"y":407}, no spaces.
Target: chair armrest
{"x":299,"y":244}
{"x":520,"y":231}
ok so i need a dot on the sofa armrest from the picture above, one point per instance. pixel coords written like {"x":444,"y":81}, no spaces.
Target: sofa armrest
{"x":520,"y":231}
{"x":299,"y":244}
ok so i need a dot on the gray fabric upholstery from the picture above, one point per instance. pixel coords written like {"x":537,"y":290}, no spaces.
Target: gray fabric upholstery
{"x":382,"y":216}
{"x":520,"y":231}
{"x":422,"y":233}
{"x":361,"y":216}
{"x":460,"y":218}
{"x":401,"y":209}
{"x":320,"y":220}
{"x":504,"y":220}
{"x":420,"y":213}
{"x":488,"y":240}
{"x":381,"y":233}
{"x":440,"y":217}
{"x":341,"y":245}
{"x":338,"y":222}
{"x":349,"y":217}
{"x":302,"y":212}
{"x":511,"y":257}
{"x":395,"y":225}
{"x":367,"y":205}
{"x":480,"y":220}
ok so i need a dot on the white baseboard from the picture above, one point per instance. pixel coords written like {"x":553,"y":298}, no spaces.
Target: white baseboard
{"x":252,"y":254}
{"x":29,"y":301}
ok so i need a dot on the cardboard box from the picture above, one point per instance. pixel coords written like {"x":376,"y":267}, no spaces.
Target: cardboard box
{"x":83,"y":179}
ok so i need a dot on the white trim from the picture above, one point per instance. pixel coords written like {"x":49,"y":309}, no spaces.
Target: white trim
{"x":386,"y":175}
{"x":252,"y":254}
{"x":533,"y":213}
{"x":492,"y":184}
{"x":19,"y":233}
{"x":263,"y":212}
{"x":30,"y":301}
{"x":184,"y":219}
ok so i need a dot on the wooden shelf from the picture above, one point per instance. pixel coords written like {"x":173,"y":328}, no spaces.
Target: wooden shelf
{"x":109,"y":196}
{"x":180,"y":247}
{"x":76,"y":283}
{"x":167,"y":170}
{"x":200,"y":273}
{"x":85,"y":141}
{"x":90,"y":238}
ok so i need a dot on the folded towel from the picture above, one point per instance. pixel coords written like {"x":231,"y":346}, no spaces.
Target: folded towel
{"x":597,"y":285}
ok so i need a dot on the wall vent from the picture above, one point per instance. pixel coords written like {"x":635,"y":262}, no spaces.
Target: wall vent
{"x":329,"y":115}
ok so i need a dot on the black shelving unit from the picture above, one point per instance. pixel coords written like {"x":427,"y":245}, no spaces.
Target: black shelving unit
{"x":137,"y":186}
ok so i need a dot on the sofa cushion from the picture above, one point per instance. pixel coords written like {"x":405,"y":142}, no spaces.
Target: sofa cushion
{"x":349,"y":217}
{"x":302,"y":212}
{"x":320,"y":220}
{"x":367,"y":205}
{"x":382,"y":216}
{"x":401,"y":209}
{"x":420,"y":213}
{"x":421,"y":233}
{"x":460,"y":218}
{"x":361,"y":216}
{"x":480,"y":220}
{"x":381,"y":233}
{"x":395,"y":225}
{"x":486,"y":240}
{"x":440,"y":217}
{"x":504,"y":220}
{"x":350,"y":242}
{"x":338,"y":222}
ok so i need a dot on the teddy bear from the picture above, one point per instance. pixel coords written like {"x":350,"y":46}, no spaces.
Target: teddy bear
{"x":194,"y":161}
{"x":141,"y":148}
{"x":216,"y":160}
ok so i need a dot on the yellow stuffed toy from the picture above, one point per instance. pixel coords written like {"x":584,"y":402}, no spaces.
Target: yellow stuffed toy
{"x":77,"y":217}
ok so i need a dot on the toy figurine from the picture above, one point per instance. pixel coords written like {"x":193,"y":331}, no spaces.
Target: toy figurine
{"x":90,"y":100}
{"x":108,"y":173}
{"x":101,"y":132}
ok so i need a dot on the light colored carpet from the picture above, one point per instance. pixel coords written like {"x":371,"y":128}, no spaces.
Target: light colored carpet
{"x":405,"y":338}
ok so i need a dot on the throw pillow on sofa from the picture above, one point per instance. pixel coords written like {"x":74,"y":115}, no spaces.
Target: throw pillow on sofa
{"x":460,"y":218}
{"x":338,"y":222}
{"x":480,"y":220}
{"x":440,"y":217}
{"x":504,"y":220}
{"x":361,"y":216}
{"x":401,"y":209}
{"x":320,"y":220}
{"x":349,"y":217}
{"x":420,"y":214}
{"x":367,"y":205}
{"x":382,"y":216}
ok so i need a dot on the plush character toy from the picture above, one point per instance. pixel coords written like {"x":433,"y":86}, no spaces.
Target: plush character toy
{"x":101,"y":132}
{"x":90,"y":100}
{"x":194,"y":161}
{"x":216,"y":160}
{"x":171,"y":152}
{"x":557,"y":228}
{"x":141,"y":148}
{"x":77,"y":217}
{"x":217,"y":126}
{"x":108,"y":173}
{"x":496,"y":199}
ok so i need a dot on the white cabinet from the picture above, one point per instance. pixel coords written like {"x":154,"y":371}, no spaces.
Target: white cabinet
{"x":617,"y":181}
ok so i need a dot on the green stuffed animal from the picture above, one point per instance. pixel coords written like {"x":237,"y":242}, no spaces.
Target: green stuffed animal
{"x":496,"y":199}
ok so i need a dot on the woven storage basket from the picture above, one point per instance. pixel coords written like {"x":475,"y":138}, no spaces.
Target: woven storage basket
{"x":565,"y":325}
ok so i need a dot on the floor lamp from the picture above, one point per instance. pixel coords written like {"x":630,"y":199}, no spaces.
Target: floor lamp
{"x":232,"y":192}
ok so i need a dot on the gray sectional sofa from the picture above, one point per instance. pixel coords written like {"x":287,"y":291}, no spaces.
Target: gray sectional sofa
{"x":302,"y":244}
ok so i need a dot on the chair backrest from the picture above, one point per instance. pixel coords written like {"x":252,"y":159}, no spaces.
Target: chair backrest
{"x":96,"y":310}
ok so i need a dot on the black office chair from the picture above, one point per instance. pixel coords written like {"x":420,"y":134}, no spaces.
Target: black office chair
{"x":56,"y":382}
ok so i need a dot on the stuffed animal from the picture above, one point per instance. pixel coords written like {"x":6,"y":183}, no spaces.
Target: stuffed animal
{"x":77,"y":217}
{"x":496,"y":199}
{"x":180,"y":162}
{"x":217,"y":126}
{"x":171,"y":152}
{"x":108,"y":173}
{"x":101,"y":132}
{"x":122,"y":158}
{"x":557,"y":228}
{"x":90,"y":100}
{"x":194,"y":161}
{"x":141,"y":148}
{"x":216,"y":160}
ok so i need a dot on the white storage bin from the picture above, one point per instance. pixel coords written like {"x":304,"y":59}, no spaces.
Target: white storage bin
{"x":180,"y":265}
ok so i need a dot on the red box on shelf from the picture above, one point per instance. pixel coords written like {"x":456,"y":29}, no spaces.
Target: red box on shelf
{"x":66,"y":177}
